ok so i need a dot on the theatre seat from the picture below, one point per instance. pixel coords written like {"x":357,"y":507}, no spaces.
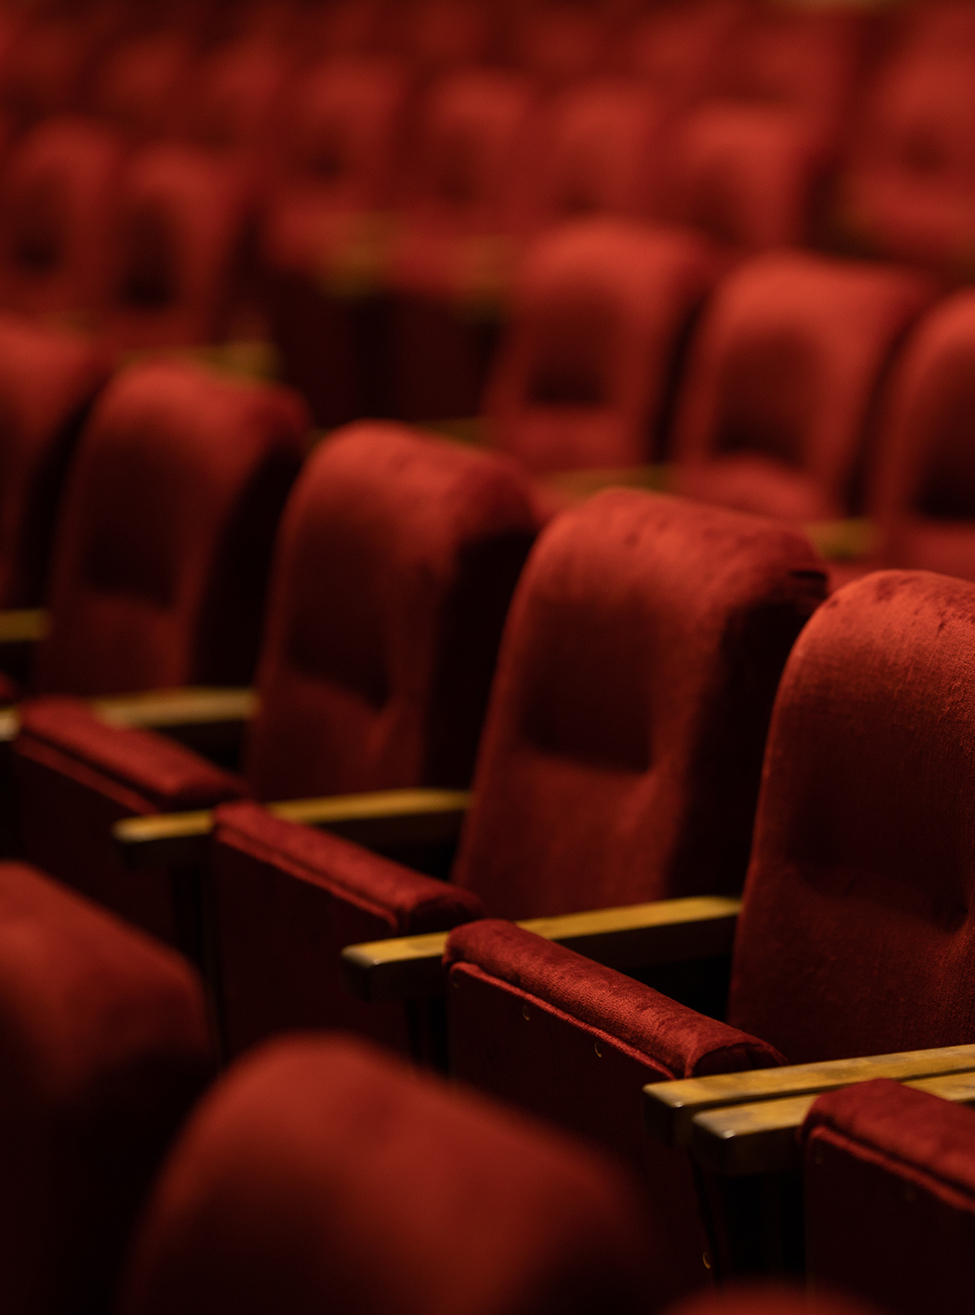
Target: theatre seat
{"x":142,"y":84}
{"x":322,"y":1174}
{"x":853,"y":937}
{"x":889,"y":1180}
{"x":180,"y":245}
{"x":599,"y":312}
{"x":779,"y":394}
{"x":58,"y":191}
{"x":616,"y":765}
{"x":923,"y":475}
{"x":104,"y":1048}
{"x":48,"y":381}
{"x":395,"y":563}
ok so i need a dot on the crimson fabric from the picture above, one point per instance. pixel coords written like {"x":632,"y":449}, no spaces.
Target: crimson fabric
{"x":395,"y":565}
{"x":76,"y":776}
{"x":595,"y":151}
{"x":179,"y":245}
{"x":772,"y":1299}
{"x":924,"y":484}
{"x":559,"y":44}
{"x":320,"y":1174}
{"x":238,"y":98}
{"x":541,"y":1027}
{"x":597,"y":310}
{"x":48,"y":380}
{"x":58,"y":190}
{"x":142,"y":84}
{"x":856,"y":932}
{"x":747,"y":174}
{"x":287,"y":900}
{"x":680,"y":50}
{"x":103,"y":1047}
{"x":164,"y":538}
{"x":778,"y":394}
{"x":890,"y":1197}
{"x":908,"y":191}
{"x":595,"y":789}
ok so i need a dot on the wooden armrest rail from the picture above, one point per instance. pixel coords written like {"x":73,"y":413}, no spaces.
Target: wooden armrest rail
{"x":393,"y":817}
{"x":189,"y":706}
{"x":665,"y":931}
{"x":24,"y":625}
{"x":670,"y":1108}
{"x":761,"y":1138}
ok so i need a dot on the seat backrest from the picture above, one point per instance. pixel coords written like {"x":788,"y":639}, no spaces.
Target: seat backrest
{"x":58,"y":192}
{"x":345,"y":127}
{"x":180,"y":246}
{"x":621,"y":753}
{"x":162,"y":545}
{"x":469,"y":137}
{"x":103,"y":1048}
{"x":785,"y":367}
{"x":599,"y":310}
{"x":238,"y":99}
{"x":889,"y":1184}
{"x":395,"y":564}
{"x":143,"y":81}
{"x":48,"y":381}
{"x":857,"y":929}
{"x":923,"y":485}
{"x":596,"y":150}
{"x":322,"y":1174}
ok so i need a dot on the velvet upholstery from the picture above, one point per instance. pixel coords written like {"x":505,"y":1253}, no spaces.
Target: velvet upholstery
{"x":180,"y":242}
{"x":591,"y":791}
{"x":855,"y":936}
{"x":598,"y":307}
{"x":778,"y":396}
{"x":103,"y":1048}
{"x":162,"y":547}
{"x":76,"y":776}
{"x":289,"y":899}
{"x":58,"y":191}
{"x":552,"y":1032}
{"x":923,"y":486}
{"x":48,"y":381}
{"x":890,"y":1196}
{"x":908,"y":191}
{"x":239,"y":97}
{"x":320,"y":1174}
{"x":143,"y":83}
{"x":395,"y":565}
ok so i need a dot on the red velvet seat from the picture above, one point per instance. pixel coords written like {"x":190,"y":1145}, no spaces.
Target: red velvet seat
{"x":890,"y":1196}
{"x":162,"y":547}
{"x":559,"y":43}
{"x":778,"y":396}
{"x":923,"y":485}
{"x":181,"y":241}
{"x":396,"y":559}
{"x":238,"y":99}
{"x":680,"y":51}
{"x":855,"y":933}
{"x":772,"y":1299}
{"x":591,"y":789}
{"x":324,"y":235}
{"x":58,"y":192}
{"x":142,"y":84}
{"x":908,"y":188}
{"x":451,"y":247}
{"x":599,"y":309}
{"x":103,"y":1048}
{"x":320,"y":1174}
{"x":45,"y":67}
{"x":48,"y":381}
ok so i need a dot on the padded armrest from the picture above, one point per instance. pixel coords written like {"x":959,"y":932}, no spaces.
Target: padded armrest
{"x":670,"y":1108}
{"x":164,"y":709}
{"x":637,"y":935}
{"x":746,"y":1123}
{"x":23,"y":625}
{"x":374,"y":820}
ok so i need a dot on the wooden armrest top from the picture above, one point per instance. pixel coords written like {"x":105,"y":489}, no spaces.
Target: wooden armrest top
{"x":660,"y":932}
{"x":761,"y":1137}
{"x":192,"y":705}
{"x":670,"y":1108}
{"x":167,"y":838}
{"x":24,"y":625}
